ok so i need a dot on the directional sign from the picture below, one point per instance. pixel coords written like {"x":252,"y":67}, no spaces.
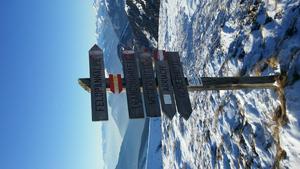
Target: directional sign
{"x":131,"y":75}
{"x":164,"y":85}
{"x":149,"y":85}
{"x":115,"y":83}
{"x":98,"y":85}
{"x":179,"y":85}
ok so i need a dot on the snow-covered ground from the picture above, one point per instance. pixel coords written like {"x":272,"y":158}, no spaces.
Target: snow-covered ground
{"x":242,"y":128}
{"x":154,"y":158}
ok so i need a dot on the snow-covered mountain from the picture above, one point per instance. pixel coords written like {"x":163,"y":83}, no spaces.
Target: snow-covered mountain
{"x":242,"y":128}
{"x":114,"y":130}
{"x":228,"y":129}
{"x":129,"y":152}
{"x":123,"y":141}
{"x":143,"y":17}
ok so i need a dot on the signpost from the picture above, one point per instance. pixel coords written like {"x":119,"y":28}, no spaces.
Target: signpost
{"x":98,"y":85}
{"x":169,"y":77}
{"x":131,"y":75}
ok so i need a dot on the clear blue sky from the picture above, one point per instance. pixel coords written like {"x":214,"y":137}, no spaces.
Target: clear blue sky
{"x":45,"y":116}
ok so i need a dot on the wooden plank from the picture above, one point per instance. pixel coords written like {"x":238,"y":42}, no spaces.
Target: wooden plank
{"x":182,"y":98}
{"x":149,"y":85}
{"x":97,"y":85}
{"x":165,"y":88}
{"x":131,"y":75}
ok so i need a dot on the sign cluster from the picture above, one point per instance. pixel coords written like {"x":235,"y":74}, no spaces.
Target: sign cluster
{"x":154,"y":82}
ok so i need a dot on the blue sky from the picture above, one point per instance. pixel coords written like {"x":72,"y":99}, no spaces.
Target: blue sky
{"x":45,"y":115}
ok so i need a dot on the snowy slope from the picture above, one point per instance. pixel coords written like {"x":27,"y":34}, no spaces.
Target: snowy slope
{"x":154,"y":157}
{"x":129,"y":152}
{"x":243,"y":128}
{"x":119,"y":135}
{"x":143,"y":18}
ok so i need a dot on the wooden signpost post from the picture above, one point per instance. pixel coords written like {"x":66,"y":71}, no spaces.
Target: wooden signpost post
{"x":169,"y":80}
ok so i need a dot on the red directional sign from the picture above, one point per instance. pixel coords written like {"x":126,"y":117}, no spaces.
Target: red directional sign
{"x":115,"y":83}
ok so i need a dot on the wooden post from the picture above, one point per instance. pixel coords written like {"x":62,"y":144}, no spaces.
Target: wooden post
{"x":235,"y":83}
{"x":214,"y":83}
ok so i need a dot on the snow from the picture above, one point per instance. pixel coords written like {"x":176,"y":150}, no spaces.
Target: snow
{"x":154,"y":160}
{"x":129,"y":151}
{"x":227,"y":129}
{"x":242,"y":128}
{"x":290,"y":134}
